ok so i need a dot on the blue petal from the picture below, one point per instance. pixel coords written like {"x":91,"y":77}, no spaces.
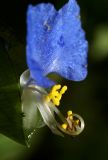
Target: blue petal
{"x":38,"y":52}
{"x":56,"y":43}
{"x":69,"y":40}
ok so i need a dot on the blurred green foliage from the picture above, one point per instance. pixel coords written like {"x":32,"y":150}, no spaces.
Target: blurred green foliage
{"x":88,"y":98}
{"x":10,"y":114}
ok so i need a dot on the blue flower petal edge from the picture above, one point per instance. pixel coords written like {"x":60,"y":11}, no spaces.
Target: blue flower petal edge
{"x":56,"y":43}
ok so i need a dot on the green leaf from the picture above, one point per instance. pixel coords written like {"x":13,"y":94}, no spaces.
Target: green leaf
{"x":13,"y":123}
{"x":10,"y":105}
{"x":10,"y":150}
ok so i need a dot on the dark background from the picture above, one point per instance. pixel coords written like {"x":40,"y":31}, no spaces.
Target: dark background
{"x":89,"y":98}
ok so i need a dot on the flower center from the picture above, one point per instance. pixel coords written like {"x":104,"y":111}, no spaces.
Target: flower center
{"x":72,"y":123}
{"x":56,"y":95}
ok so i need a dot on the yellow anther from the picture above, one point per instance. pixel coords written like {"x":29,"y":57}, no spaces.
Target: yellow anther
{"x":64,"y":126}
{"x":56,"y":87}
{"x":56,"y":101}
{"x":69,"y":113}
{"x":59,"y":97}
{"x":56,"y":95}
{"x":76,"y":122}
{"x":63,"y":90}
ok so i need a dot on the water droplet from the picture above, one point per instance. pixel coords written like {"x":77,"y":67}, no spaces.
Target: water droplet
{"x":47,"y":26}
{"x":29,"y":139}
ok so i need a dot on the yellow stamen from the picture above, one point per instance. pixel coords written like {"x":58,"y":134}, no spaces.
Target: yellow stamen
{"x":64,"y":126}
{"x":56,"y":101}
{"x":56,"y":95}
{"x":71,"y":117}
{"x":63,"y":90}
{"x":69,"y":113}
{"x":56,"y":87}
{"x":76,"y":122}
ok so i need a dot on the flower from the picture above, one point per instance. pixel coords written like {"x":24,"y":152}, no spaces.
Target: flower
{"x":55,"y":43}
{"x":35,"y":97}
